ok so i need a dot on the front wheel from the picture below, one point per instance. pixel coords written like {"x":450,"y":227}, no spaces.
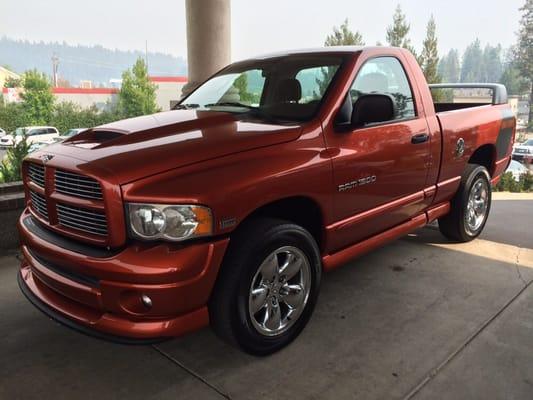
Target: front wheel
{"x":470,"y":206}
{"x":268,"y":286}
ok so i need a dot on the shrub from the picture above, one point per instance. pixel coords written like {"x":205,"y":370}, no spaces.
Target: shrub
{"x":10,"y":167}
{"x":507,"y":183}
{"x":67,"y":115}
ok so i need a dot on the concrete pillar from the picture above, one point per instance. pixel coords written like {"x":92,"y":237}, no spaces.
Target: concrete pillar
{"x":208,"y":39}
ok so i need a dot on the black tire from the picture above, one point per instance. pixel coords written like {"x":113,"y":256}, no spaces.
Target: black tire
{"x":453,"y":224}
{"x":249,"y":247}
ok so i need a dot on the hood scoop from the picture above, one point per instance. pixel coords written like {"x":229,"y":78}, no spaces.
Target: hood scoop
{"x":91,"y":139}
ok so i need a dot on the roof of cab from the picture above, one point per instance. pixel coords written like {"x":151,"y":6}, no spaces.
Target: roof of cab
{"x":318,"y":50}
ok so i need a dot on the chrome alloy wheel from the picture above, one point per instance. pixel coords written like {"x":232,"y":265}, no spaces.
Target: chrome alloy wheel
{"x":279,"y":291}
{"x":477,"y":206}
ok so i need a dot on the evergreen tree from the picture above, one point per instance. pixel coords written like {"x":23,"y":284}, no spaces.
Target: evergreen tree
{"x":472,"y":68}
{"x":398,"y":31}
{"x":492,"y":63}
{"x":429,"y":58}
{"x":137,"y":94}
{"x":524,"y":51}
{"x":343,"y":36}
{"x":449,"y":67}
{"x":511,"y":76}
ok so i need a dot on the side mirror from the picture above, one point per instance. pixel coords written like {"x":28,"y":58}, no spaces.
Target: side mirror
{"x":372,"y":108}
{"x":343,"y":119}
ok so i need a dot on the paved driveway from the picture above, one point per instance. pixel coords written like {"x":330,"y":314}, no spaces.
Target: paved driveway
{"x":420,"y":318}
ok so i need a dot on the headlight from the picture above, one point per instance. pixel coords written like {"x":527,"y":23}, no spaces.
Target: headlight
{"x":171,"y":222}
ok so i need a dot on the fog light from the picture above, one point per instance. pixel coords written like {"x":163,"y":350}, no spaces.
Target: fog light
{"x":147,"y":301}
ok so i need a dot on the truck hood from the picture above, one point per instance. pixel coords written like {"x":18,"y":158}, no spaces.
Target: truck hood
{"x":132,"y":149}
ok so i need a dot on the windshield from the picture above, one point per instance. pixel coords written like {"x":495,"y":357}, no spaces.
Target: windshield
{"x":528,"y":142}
{"x":288,"y":88}
{"x":19,"y":131}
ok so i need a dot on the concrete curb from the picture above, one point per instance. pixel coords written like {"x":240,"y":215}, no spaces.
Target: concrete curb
{"x":511,"y":196}
{"x":11,"y":206}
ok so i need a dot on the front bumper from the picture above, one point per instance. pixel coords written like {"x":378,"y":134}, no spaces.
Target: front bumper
{"x":99,"y":291}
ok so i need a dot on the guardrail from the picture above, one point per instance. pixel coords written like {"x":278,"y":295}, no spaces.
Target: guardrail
{"x":11,"y":206}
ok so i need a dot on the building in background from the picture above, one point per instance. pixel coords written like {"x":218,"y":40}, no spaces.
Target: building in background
{"x":168,"y":92}
{"x":101,"y":98}
{"x":5,"y":74}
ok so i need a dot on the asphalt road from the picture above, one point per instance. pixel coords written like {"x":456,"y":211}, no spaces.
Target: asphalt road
{"x":420,"y":318}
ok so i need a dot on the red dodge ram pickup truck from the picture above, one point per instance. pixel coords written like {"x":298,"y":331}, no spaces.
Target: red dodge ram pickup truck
{"x":227,"y":209}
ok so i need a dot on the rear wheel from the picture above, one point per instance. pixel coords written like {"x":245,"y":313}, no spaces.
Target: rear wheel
{"x":268,"y":286}
{"x":470,"y":206}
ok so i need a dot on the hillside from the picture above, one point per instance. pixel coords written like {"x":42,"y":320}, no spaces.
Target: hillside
{"x":78,"y":62}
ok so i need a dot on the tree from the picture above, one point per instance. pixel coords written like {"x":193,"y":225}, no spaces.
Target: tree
{"x":449,"y":68}
{"x":472,"y":68}
{"x":38,"y":100}
{"x":398,"y":31}
{"x":513,"y":80}
{"x":137,"y":94}
{"x":12,"y":82}
{"x":12,"y":116}
{"x":429,"y":58}
{"x":524,"y":51}
{"x":343,"y":36}
{"x":492,"y":63}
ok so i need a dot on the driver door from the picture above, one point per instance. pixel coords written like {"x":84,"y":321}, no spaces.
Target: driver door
{"x":380,"y":171}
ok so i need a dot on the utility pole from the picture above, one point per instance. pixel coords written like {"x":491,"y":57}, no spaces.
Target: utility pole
{"x":55,"y":65}
{"x":146,"y":53}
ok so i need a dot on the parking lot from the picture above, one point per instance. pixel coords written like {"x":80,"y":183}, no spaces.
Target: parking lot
{"x":420,"y":318}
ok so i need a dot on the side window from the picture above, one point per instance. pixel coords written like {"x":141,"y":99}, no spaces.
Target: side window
{"x":314,"y":82}
{"x":385,"y":75}
{"x":51,"y":130}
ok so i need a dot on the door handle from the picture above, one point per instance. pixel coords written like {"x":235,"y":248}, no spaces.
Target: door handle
{"x":420,"y":138}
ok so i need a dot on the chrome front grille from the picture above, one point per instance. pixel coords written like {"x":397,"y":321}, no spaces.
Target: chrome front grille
{"x":36,"y":174}
{"x":38,"y":203}
{"x":82,"y":219}
{"x":77,"y":185}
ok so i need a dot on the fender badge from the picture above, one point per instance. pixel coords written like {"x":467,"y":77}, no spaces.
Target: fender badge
{"x":460,"y":147}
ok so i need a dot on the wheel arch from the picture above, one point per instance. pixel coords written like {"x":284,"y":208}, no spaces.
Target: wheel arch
{"x":301,"y":210}
{"x":485,"y":155}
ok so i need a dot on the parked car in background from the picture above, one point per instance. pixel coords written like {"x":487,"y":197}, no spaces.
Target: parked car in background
{"x":34,"y":134}
{"x":2,"y":132}
{"x":69,"y":134}
{"x":517,"y":169}
{"x":62,"y":136}
{"x":37,"y":146}
{"x":524,"y":152}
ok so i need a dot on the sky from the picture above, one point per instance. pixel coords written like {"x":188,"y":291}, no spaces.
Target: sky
{"x":258,"y":26}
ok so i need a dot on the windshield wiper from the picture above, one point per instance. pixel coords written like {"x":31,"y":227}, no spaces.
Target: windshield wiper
{"x":185,"y":106}
{"x":231,"y":104}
